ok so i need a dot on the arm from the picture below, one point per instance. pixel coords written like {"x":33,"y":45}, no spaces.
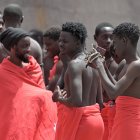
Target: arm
{"x":99,"y":97}
{"x":52,"y":84}
{"x":110,"y":75}
{"x":119,"y":87}
{"x":75,"y":86}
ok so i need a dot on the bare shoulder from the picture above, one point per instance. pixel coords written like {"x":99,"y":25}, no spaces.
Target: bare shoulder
{"x":74,"y":65}
{"x":134,"y":67}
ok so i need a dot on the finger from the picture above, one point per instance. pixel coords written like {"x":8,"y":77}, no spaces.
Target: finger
{"x":64,"y":92}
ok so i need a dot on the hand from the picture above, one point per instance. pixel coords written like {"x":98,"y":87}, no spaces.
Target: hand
{"x":94,"y":59}
{"x":101,"y":50}
{"x":58,"y":93}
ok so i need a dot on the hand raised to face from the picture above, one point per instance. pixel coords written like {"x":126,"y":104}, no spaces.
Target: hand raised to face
{"x":93,"y":58}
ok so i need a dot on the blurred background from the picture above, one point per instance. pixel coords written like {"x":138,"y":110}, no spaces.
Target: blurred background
{"x":41,"y":14}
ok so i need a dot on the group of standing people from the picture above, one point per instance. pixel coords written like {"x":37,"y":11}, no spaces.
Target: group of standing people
{"x":64,"y":92}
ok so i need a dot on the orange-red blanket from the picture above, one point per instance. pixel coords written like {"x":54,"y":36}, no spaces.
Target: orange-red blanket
{"x":26,"y":109}
{"x":127,"y":119}
{"x":111,"y":116}
{"x":108,"y":114}
{"x":53,"y":70}
{"x":104,"y":114}
{"x":79,"y":123}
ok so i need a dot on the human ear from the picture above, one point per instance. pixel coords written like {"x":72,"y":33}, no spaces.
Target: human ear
{"x":124,"y":39}
{"x":95,"y":38}
{"x":22,"y":19}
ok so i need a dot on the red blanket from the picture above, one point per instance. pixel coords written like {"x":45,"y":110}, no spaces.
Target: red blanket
{"x":127,"y":119}
{"x":53,"y":70}
{"x":108,"y":114}
{"x":111,"y":116}
{"x":26,"y":109}
{"x":104,"y":114}
{"x":81,"y":123}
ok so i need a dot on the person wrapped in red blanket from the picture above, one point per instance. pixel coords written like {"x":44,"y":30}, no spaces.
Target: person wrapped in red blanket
{"x":128,"y":115}
{"x":26,"y":108}
{"x":125,"y":91}
{"x":79,"y":116}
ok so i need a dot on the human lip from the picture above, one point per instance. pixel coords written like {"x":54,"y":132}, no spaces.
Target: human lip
{"x":61,"y":49}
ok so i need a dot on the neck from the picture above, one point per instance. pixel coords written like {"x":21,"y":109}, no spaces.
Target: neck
{"x":76,"y":54}
{"x":131,"y":55}
{"x":107,"y":55}
{"x":16,"y":61}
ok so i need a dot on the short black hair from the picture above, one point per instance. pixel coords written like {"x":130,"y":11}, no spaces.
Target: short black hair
{"x":78,"y":30}
{"x":53,"y":33}
{"x":102,"y":25}
{"x":37,"y":35}
{"x":12,"y":11}
{"x":129,"y":30}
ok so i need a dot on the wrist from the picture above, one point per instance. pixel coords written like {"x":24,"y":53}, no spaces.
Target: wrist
{"x":99,"y":63}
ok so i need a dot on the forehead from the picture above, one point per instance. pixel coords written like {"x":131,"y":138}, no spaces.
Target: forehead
{"x":66,"y":35}
{"x":106,"y":30}
{"x":24,"y":40}
{"x":116,"y":38}
{"x":48,"y":39}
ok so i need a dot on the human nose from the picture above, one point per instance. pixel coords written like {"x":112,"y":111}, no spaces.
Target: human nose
{"x":109,"y":40}
{"x":61,"y":44}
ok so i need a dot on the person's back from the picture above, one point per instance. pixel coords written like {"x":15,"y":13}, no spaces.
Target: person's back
{"x":89,"y":78}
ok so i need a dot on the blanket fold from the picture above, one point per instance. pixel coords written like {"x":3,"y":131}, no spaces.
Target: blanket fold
{"x":127,"y":119}
{"x":26,"y":109}
{"x":79,"y":123}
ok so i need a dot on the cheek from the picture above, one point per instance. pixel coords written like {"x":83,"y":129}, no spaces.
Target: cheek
{"x":100,"y":42}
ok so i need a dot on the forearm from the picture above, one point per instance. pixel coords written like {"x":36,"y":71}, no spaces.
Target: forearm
{"x":65,"y":101}
{"x":60,"y":81}
{"x":106,"y":82}
{"x":109,"y":75}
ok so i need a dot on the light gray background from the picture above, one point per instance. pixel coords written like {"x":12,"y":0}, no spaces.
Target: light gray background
{"x":44,"y":13}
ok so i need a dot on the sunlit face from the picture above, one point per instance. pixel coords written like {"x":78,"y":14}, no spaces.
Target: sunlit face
{"x":51,"y":45}
{"x":67,"y":43}
{"x":104,"y":39}
{"x":119,"y":47}
{"x":22,"y":49}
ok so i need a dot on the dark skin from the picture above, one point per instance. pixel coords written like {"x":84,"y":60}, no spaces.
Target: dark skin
{"x":22,"y":48}
{"x":129,"y":84}
{"x":15,"y":22}
{"x":53,"y":82}
{"x":52,"y":49}
{"x":82,"y":85}
{"x":104,"y":40}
